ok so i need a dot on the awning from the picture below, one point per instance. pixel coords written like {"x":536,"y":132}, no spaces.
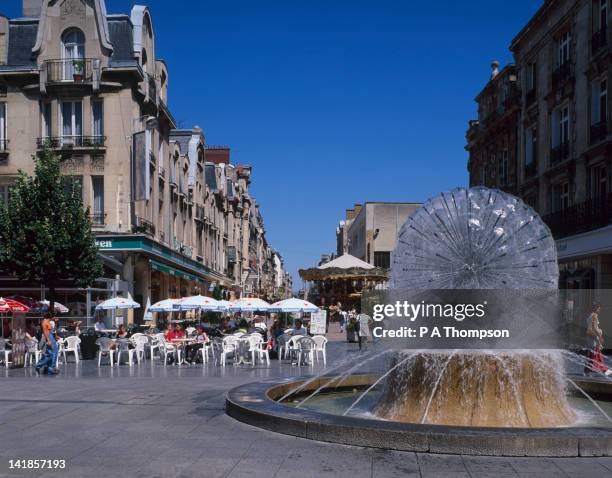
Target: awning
{"x":158,"y":266}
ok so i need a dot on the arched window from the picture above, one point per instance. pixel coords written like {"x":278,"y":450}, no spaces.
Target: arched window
{"x":73,"y":53}
{"x":73,"y":44}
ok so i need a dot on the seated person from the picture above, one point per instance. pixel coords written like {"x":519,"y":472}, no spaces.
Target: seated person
{"x":298,"y":329}
{"x":170,"y":332}
{"x":191,"y":350}
{"x":99,"y":326}
{"x":243,"y":326}
{"x":122,"y":332}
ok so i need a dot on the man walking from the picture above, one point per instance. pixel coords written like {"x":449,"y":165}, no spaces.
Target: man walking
{"x":49,"y":359}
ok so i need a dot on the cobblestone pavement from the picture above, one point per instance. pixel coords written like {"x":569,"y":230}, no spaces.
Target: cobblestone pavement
{"x":156,"y":421}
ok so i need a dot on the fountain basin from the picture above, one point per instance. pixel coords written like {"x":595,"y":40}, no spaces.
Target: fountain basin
{"x":256,"y":405}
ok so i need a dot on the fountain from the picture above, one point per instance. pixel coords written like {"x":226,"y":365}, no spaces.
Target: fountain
{"x":495,"y":400}
{"x":476,"y":239}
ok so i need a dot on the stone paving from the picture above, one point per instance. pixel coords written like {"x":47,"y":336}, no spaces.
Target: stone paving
{"x":156,"y":421}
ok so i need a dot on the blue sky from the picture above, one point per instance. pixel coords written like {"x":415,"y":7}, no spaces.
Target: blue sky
{"x":331,"y":102}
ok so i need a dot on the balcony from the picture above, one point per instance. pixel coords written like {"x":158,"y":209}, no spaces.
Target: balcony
{"x":151,"y":88}
{"x":72,"y":142}
{"x":199,"y":213}
{"x":598,"y":132}
{"x":599,"y":40}
{"x":583,"y":217}
{"x":561,"y":75}
{"x":559,"y":153}
{"x":98,"y":219}
{"x":4,"y":149}
{"x":75,"y":71}
{"x":143,"y":227}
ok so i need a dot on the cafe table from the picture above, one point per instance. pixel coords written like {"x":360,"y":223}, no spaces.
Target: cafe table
{"x":181,"y":342}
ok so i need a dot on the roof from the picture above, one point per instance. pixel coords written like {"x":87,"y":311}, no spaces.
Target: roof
{"x":530,"y":24}
{"x":22,"y":37}
{"x":121,"y":37}
{"x":346,"y":261}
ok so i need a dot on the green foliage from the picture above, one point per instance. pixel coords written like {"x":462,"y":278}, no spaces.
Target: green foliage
{"x":45,"y":232}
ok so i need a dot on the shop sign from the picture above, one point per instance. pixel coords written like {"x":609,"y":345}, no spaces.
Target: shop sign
{"x":318,"y":322}
{"x":104,"y":244}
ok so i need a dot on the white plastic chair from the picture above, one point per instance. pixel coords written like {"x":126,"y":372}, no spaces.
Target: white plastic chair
{"x":123,"y":347}
{"x":61,"y":352}
{"x":32,"y":353}
{"x":281,"y":345}
{"x":320,"y":342}
{"x":104,"y":349}
{"x":154,"y":343}
{"x":229,"y":348}
{"x":190,"y":330}
{"x":292,"y":347}
{"x":206,"y":350}
{"x":258,"y":348}
{"x":166,"y":349}
{"x":4,"y":352}
{"x":140,"y":342}
{"x":71,"y":345}
{"x":305,"y":347}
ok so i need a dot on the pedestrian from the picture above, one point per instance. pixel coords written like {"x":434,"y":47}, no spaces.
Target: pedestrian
{"x":50,"y":348}
{"x":363,"y":334}
{"x":595,"y":342}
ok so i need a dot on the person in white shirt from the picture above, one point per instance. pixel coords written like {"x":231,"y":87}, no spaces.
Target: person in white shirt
{"x":100,"y":325}
{"x":299,"y":329}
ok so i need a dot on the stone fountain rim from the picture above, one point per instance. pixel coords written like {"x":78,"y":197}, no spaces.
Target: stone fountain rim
{"x":255,"y":404}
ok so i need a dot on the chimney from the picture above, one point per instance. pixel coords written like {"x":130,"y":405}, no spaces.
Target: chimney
{"x":218,"y":154}
{"x":357,"y":209}
{"x":32,"y":8}
{"x":494,"y":68}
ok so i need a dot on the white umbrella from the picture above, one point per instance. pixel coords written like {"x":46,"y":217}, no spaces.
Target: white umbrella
{"x":118,"y":303}
{"x":293,"y":305}
{"x":250,"y":304}
{"x":166,"y":305}
{"x":199,"y":302}
{"x":225,"y":304}
{"x":59,"y":308}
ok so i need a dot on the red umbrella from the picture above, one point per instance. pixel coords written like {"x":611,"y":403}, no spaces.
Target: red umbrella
{"x":10,"y":305}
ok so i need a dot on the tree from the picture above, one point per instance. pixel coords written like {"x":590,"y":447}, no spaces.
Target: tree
{"x":45,"y":232}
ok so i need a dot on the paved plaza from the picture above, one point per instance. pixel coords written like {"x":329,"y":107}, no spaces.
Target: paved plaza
{"x":155,"y":421}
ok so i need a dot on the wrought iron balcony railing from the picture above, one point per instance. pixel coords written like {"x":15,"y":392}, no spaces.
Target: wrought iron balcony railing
{"x":599,"y":40}
{"x":69,"y":142}
{"x":598,"y":131}
{"x":582,"y":217}
{"x":75,"y":70}
{"x":559,"y":153}
{"x":144,"y":226}
{"x":98,"y":218}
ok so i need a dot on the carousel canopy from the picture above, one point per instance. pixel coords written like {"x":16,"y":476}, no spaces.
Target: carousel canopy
{"x":344,"y":267}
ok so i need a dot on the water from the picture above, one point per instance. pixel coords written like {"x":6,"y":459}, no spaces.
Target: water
{"x":337,"y":402}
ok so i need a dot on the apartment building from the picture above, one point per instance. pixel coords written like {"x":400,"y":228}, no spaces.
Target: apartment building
{"x":557,"y":133}
{"x":173,"y":216}
{"x":369,"y":231}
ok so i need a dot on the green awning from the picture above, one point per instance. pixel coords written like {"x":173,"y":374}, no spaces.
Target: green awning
{"x":158,"y":266}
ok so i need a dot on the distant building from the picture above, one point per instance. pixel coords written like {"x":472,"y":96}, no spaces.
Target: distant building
{"x":369,"y":231}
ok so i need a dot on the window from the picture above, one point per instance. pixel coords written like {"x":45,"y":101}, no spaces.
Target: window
{"x":560,"y":130}
{"x":599,"y":102}
{"x":563,"y":49}
{"x":600,"y":15}
{"x":46,"y":121}
{"x":5,"y":193}
{"x":599,"y":177}
{"x":531,"y":146}
{"x":73,"y":183}
{"x":560,"y":196}
{"x":382,"y":259}
{"x":3,"y":121}
{"x":97,"y":187}
{"x":97,"y":111}
{"x":531,"y":76}
{"x":73,"y":52}
{"x":71,"y":122}
{"x":503,"y":168}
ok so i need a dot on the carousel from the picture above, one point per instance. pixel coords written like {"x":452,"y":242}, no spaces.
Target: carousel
{"x":343,"y":280}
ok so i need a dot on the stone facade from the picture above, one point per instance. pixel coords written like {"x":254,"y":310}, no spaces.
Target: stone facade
{"x":369,"y":231}
{"x":170,"y":220}
{"x":557,"y":130}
